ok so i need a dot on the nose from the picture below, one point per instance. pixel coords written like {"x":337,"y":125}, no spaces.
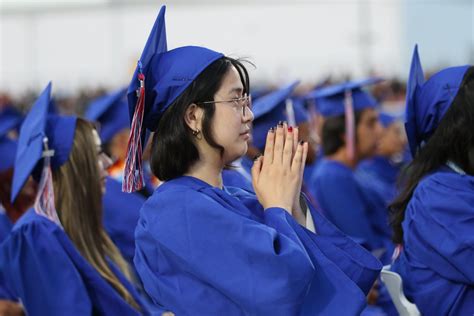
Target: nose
{"x":248,"y":115}
{"x":378,"y":129}
{"x":105,"y":160}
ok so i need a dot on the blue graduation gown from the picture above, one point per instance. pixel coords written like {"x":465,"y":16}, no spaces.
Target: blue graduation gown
{"x":436,"y":263}
{"x":5,"y":228}
{"x":5,"y":225}
{"x":44,"y":270}
{"x":201,"y":250}
{"x":238,"y":177}
{"x":342,"y":202}
{"x":377,"y":179}
{"x":247,"y":164}
{"x":121,"y":213}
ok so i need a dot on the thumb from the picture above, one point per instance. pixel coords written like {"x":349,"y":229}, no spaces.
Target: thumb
{"x":256,"y":169}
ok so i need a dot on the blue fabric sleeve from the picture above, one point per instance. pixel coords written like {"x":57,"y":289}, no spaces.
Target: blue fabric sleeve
{"x":33,"y":263}
{"x":211,"y":254}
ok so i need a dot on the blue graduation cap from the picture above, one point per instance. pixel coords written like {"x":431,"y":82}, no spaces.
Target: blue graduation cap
{"x":111,"y":111}
{"x":330,"y":101}
{"x":7,"y":151}
{"x":160,"y":78}
{"x":269,"y":110}
{"x":386,"y":119}
{"x":427,"y":102}
{"x":10,"y":119}
{"x":345,"y":99}
{"x":39,"y":124}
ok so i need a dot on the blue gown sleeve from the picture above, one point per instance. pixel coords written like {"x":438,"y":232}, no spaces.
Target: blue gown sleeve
{"x":33,"y":263}
{"x":195,"y":254}
{"x":439,"y":226}
{"x":354,"y":260}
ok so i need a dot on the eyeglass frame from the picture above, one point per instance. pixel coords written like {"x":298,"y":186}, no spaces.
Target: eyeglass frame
{"x":245,"y":97}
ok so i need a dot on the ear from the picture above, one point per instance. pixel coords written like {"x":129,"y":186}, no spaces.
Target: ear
{"x":193,"y":116}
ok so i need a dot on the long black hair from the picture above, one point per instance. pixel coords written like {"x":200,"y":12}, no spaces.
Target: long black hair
{"x":173,"y":150}
{"x":452,"y":140}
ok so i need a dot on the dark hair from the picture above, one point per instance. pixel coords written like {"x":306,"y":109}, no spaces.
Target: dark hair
{"x":452,"y":140}
{"x":333,"y":132}
{"x":173,"y":150}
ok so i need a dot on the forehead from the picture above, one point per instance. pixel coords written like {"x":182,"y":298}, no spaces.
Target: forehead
{"x":231,"y":82}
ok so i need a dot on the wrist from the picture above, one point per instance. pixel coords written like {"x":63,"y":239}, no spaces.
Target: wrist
{"x":278,"y":205}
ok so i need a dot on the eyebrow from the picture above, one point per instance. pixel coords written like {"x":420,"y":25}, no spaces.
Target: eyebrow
{"x":238,"y":90}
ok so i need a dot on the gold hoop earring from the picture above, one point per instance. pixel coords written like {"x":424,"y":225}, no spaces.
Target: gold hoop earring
{"x":197,"y":134}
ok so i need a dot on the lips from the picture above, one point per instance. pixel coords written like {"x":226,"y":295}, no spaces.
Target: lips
{"x":247,"y":132}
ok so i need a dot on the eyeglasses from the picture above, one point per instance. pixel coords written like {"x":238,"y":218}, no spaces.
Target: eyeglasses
{"x":239,"y":103}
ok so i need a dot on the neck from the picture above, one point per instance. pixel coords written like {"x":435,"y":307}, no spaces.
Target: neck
{"x":341,"y":156}
{"x":252,"y":152}
{"x":209,"y":171}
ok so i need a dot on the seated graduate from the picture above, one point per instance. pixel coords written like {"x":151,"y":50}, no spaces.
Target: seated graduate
{"x":204,"y":249}
{"x":377,"y":176}
{"x":10,"y":120}
{"x":433,"y":217}
{"x":58,"y":260}
{"x":121,"y":210}
{"x":350,"y":133}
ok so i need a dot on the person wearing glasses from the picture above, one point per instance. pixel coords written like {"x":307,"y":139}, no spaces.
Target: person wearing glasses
{"x":206,"y":249}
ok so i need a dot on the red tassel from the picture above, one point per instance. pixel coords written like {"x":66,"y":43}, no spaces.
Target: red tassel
{"x":133,"y":174}
{"x":44,"y":202}
{"x":350,"y":125}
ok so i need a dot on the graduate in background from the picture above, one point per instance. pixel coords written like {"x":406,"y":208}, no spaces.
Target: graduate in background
{"x":121,"y":210}
{"x":10,"y":120}
{"x":204,"y":249}
{"x":377,"y":177}
{"x":350,"y":133}
{"x":345,"y":145}
{"x":58,"y":260}
{"x":433,"y":217}
{"x":111,"y":113}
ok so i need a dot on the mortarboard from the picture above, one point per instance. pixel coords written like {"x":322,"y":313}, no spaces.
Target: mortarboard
{"x":111,"y":111}
{"x":38,"y":126}
{"x":330,"y":100}
{"x":427,"y":102}
{"x":345,"y":99}
{"x":10,"y":119}
{"x":268,"y":110}
{"x":387,"y":118}
{"x":160,"y":78}
{"x":7,"y":151}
